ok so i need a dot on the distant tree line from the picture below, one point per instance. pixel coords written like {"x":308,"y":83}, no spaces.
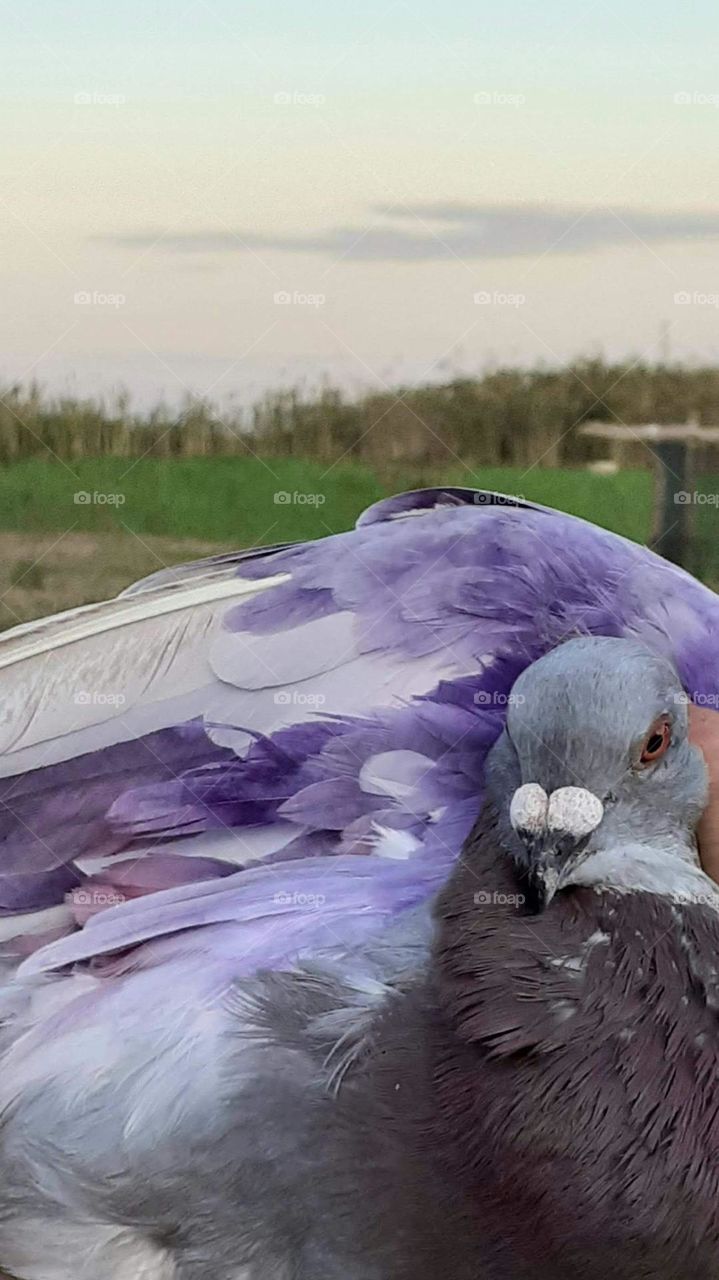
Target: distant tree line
{"x":505,"y":417}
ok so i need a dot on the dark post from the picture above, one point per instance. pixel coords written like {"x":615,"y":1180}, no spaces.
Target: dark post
{"x":674,"y":503}
{"x":673,"y":447}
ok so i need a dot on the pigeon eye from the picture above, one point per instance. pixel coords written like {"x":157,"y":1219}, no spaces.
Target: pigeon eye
{"x":656,"y":743}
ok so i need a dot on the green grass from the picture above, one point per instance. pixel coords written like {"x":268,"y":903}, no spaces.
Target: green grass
{"x":239,"y":500}
{"x":622,"y":502}
{"x":235,"y":500}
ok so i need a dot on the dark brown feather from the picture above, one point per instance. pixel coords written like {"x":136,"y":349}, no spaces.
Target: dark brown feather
{"x":554,"y":1087}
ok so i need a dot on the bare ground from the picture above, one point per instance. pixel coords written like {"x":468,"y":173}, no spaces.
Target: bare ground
{"x":44,"y":573}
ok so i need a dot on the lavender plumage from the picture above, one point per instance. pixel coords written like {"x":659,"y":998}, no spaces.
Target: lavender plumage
{"x":260,"y":764}
{"x":304,"y":702}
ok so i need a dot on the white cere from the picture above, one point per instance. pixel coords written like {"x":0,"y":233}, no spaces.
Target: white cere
{"x":528,"y":809}
{"x":574,"y":810}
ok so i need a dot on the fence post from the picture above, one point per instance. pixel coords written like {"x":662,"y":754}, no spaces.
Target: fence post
{"x":673,"y":448}
{"x":673,"y":502}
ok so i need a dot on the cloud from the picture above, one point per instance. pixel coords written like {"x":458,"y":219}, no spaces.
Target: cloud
{"x":428,"y":232}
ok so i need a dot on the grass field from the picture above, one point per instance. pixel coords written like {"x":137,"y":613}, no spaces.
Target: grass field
{"x":44,"y":573}
{"x":69,"y":535}
{"x":247,"y":501}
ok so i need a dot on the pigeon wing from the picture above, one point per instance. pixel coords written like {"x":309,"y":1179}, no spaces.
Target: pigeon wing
{"x":318,"y":717}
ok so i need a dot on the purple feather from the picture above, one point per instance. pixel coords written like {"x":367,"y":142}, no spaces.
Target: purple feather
{"x":445,"y":608}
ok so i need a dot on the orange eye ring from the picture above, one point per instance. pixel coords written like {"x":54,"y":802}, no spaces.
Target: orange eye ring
{"x":655,"y":743}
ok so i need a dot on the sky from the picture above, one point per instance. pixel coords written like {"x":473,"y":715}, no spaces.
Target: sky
{"x":224,"y":198}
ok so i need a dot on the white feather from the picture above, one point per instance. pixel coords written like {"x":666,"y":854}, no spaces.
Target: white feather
{"x":110,"y":672}
{"x":398,"y":845}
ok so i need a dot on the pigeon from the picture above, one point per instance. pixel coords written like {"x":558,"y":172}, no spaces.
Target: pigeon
{"x":514,"y":1083}
{"x":239,"y":810}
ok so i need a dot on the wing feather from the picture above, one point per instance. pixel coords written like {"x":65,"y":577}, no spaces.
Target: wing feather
{"x":326,"y":708}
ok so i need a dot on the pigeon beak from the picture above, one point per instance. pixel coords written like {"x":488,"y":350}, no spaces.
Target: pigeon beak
{"x":552,"y":858}
{"x":555,"y":830}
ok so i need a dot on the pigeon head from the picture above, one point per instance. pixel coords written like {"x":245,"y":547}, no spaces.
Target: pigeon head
{"x":594,"y":778}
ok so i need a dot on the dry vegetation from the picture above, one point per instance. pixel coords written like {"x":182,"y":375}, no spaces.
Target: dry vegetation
{"x":45,"y":573}
{"x":509,"y":417}
{"x":177,"y":484}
